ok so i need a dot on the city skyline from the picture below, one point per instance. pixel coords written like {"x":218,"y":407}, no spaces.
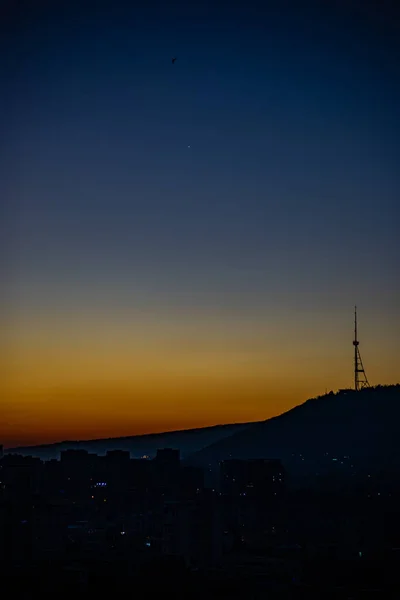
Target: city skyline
{"x":185,"y":242}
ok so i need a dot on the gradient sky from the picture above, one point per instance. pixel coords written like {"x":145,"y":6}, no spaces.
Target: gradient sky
{"x":184,"y":244}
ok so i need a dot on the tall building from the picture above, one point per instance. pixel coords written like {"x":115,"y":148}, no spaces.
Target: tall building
{"x":251,"y":493}
{"x":252,"y":478}
{"x":168,"y":456}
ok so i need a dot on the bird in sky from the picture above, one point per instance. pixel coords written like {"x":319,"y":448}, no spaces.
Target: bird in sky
{"x":173,"y":60}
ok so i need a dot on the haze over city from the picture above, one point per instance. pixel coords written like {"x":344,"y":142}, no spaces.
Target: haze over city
{"x":185,"y":242}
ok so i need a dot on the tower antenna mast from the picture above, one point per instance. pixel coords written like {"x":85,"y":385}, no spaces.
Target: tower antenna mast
{"x":360,"y":378}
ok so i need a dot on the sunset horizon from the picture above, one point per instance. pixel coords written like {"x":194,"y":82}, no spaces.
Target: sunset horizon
{"x":194,"y":204}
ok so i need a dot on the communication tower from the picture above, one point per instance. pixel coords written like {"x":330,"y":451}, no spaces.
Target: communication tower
{"x":360,"y":378}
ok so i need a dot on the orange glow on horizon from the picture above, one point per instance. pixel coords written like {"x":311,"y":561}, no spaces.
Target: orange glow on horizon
{"x":108,"y":379}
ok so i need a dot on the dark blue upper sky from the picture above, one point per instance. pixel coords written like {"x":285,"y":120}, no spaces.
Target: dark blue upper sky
{"x":291,"y":114}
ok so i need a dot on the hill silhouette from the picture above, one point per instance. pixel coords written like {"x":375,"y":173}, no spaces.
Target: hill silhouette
{"x":346,"y":432}
{"x":187,"y":441}
{"x":351,"y":432}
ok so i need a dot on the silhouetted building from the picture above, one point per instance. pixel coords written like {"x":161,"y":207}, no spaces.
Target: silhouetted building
{"x":168,"y":456}
{"x":252,"y":493}
{"x":166,"y":472}
{"x":21,"y":475}
{"x":253,"y":478}
{"x":118,"y":457}
{"x":205,"y":530}
{"x":75,"y":458}
{"x":192,"y":481}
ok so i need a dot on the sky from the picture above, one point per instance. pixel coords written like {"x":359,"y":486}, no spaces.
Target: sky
{"x":183,"y":244}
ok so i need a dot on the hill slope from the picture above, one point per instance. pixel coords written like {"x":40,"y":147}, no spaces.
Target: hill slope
{"x":188,"y":441}
{"x":362,"y":426}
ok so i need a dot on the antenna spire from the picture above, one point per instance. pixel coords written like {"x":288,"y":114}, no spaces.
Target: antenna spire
{"x":360,"y":378}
